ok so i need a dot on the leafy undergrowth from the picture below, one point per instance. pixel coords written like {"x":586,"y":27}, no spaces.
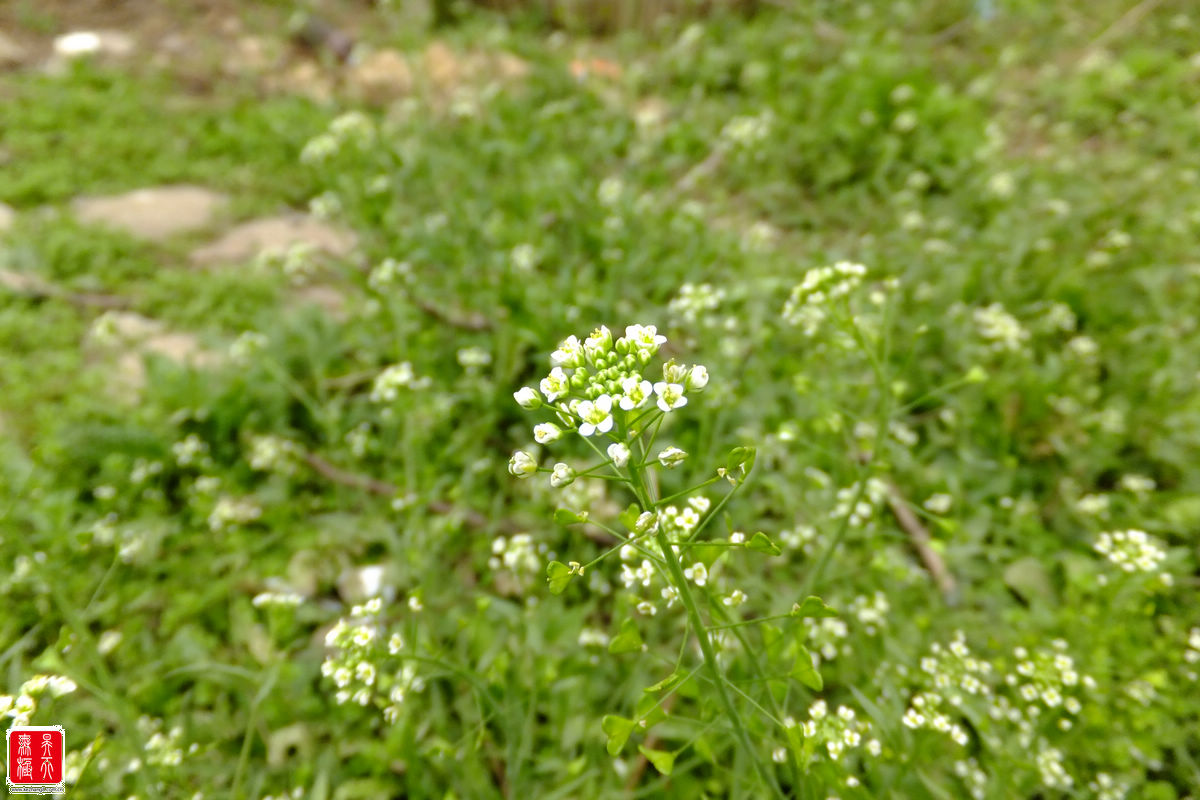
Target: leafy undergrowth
{"x":1012,"y":374}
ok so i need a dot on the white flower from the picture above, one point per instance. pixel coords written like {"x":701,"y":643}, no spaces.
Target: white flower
{"x":527,"y":398}
{"x":671,"y":457}
{"x":938,"y":503}
{"x":562,"y":476}
{"x":555,"y":385}
{"x":697,"y":573}
{"x":546,"y":432}
{"x":697,"y":378}
{"x":637,"y":393}
{"x":670,"y":395}
{"x":619,"y":454}
{"x":645,"y":337}
{"x":596,"y":416}
{"x":610,"y":191}
{"x":391,"y":380}
{"x":521,"y":464}
{"x":599,"y":343}
{"x":524,"y":257}
{"x":675,"y":373}
{"x":568,"y":354}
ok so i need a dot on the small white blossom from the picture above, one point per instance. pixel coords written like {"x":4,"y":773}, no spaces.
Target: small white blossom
{"x":697,"y":573}
{"x":636,"y":393}
{"x":527,"y":398}
{"x":670,"y":396}
{"x":555,"y":385}
{"x":521,"y":464}
{"x":562,"y":476}
{"x":619,"y":453}
{"x":671,"y":457}
{"x":546,"y":432}
{"x":596,"y":416}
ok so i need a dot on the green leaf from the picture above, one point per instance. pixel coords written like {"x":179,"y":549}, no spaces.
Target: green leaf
{"x":649,"y":711}
{"x":770,"y":634}
{"x":761,"y":543}
{"x":565,"y":516}
{"x":742,"y":457}
{"x":618,"y":730}
{"x":666,"y":683}
{"x":628,"y":640}
{"x":795,"y":738}
{"x":629,"y":516}
{"x":707,"y":554}
{"x":558,"y":575}
{"x":805,"y":672}
{"x":663,"y":761}
{"x":1028,"y":578}
{"x":813,"y":607}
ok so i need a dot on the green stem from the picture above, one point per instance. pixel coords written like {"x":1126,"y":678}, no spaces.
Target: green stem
{"x":696,"y":623}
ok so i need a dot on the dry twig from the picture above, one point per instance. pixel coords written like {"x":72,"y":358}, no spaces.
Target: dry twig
{"x":921,"y":543}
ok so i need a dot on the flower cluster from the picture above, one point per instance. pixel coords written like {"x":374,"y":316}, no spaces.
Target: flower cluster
{"x":277,"y":600}
{"x":857,"y":503}
{"x":389,"y":273}
{"x":162,"y":749}
{"x":748,"y":131}
{"x":1107,"y":787}
{"x":362,"y":649}
{"x":694,"y":302}
{"x":807,"y":306}
{"x":1047,"y":682}
{"x":391,"y":380}
{"x":953,"y":674}
{"x":20,"y":707}
{"x":232,"y":512}
{"x":1001,"y":329}
{"x":351,"y":127}
{"x":1132,"y":550}
{"x":596,"y":387}
{"x":1191,"y":654}
{"x":837,"y":733}
{"x":272,"y":454}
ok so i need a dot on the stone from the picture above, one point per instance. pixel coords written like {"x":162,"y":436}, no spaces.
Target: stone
{"x":7,"y":217}
{"x":12,"y":52}
{"x":326,"y":298}
{"x":381,"y":77}
{"x":153,"y":214}
{"x":276,"y":235}
{"x":129,"y":337}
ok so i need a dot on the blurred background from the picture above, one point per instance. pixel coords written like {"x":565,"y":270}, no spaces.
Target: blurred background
{"x":270,"y":273}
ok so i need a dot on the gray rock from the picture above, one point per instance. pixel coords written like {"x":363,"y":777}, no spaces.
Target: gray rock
{"x":7,"y":217}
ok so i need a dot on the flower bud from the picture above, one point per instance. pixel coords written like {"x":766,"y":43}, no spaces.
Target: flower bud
{"x":619,"y":454}
{"x":674,"y":373}
{"x":527,"y":398}
{"x":671,"y":457}
{"x":521,"y":464}
{"x":546,"y":432}
{"x":562,"y":476}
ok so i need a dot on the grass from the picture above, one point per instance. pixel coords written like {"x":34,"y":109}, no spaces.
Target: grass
{"x":1010,"y":162}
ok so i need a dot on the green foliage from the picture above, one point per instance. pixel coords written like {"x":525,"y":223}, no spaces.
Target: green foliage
{"x":1015,"y":365}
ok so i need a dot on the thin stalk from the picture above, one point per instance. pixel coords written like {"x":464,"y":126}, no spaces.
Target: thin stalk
{"x":696,"y":623}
